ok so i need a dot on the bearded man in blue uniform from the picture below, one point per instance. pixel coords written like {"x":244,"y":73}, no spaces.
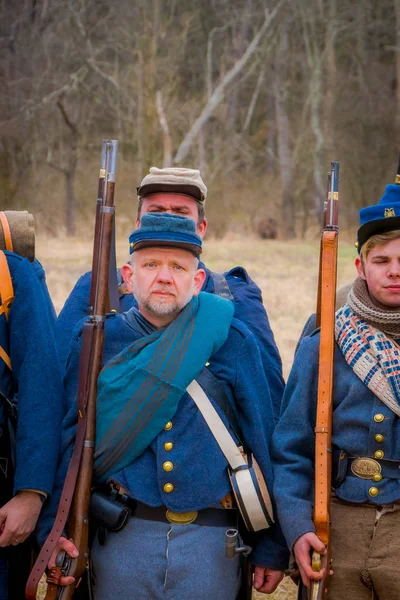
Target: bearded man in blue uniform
{"x":365,"y":506}
{"x":29,"y":372}
{"x":183,"y":192}
{"x":153,"y":442}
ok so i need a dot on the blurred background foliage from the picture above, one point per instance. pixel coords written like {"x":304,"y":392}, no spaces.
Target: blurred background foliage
{"x":260,"y":95}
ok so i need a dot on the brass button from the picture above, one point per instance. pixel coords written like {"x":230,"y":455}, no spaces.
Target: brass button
{"x":168,"y":426}
{"x":168,"y":466}
{"x":168,"y":446}
{"x":168,"y":488}
{"x":379,"y":437}
{"x":378,"y":418}
{"x":373,"y":492}
{"x":379,"y":454}
{"x":377,"y":477}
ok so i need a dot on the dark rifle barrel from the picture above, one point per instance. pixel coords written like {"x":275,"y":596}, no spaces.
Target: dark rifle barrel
{"x":330,"y":219}
{"x":333,"y":197}
{"x":78,"y":522}
{"x":99,"y":203}
{"x":324,"y":224}
{"x":75,"y":496}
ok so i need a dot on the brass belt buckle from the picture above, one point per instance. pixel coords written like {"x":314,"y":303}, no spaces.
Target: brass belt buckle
{"x":365,"y":468}
{"x":181,"y":518}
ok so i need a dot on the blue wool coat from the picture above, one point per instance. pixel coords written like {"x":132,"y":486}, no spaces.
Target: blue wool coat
{"x":248,"y":308}
{"x":199,"y":475}
{"x":35,"y":377}
{"x":354,"y":428}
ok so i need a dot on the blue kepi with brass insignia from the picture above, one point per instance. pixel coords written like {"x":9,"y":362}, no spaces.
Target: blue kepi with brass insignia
{"x":381,"y":217}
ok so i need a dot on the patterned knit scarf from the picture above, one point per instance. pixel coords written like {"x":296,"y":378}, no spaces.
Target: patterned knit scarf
{"x":361,"y":332}
{"x":360,"y":302}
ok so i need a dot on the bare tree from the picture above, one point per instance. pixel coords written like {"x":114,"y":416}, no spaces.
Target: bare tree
{"x":67,"y":166}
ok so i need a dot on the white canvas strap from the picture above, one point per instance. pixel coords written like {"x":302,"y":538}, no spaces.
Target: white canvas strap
{"x":253,"y":512}
{"x":216,"y":425}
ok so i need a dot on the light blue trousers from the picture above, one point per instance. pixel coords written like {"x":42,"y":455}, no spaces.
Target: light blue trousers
{"x":150,"y":560}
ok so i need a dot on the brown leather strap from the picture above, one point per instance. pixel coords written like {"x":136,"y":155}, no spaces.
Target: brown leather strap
{"x":68,"y":490}
{"x":7,"y":297}
{"x":6,"y":286}
{"x":4,"y":356}
{"x":6,"y":232}
{"x":62,"y":514}
{"x":323,"y":428}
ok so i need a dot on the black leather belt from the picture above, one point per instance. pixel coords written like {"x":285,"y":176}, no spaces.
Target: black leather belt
{"x":212,"y":517}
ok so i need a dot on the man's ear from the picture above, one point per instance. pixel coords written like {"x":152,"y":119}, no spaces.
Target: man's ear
{"x":202,"y":228}
{"x":127,"y":272}
{"x":199,"y":279}
{"x":360,"y":268}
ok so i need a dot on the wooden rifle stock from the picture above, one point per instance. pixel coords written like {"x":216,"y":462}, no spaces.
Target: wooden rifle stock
{"x":323,"y":428}
{"x":75,"y":498}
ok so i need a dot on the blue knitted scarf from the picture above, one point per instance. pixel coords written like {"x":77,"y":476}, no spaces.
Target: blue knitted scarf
{"x":140,"y":388}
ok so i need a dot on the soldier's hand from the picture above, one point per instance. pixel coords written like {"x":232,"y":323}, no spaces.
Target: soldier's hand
{"x":67,"y":546}
{"x":18,"y":518}
{"x":302,"y":551}
{"x":266,"y":580}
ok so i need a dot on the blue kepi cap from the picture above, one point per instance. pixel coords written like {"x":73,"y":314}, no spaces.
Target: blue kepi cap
{"x":382,"y":217}
{"x":165,"y":230}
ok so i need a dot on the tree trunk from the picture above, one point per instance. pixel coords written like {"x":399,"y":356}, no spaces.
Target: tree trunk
{"x":271,"y":135}
{"x":218,"y":93}
{"x":329,"y":126}
{"x":283,"y":140}
{"x":316,"y":101}
{"x":71,"y":203}
{"x":70,"y":171}
{"x":397,"y":12}
{"x":167,"y":160}
{"x":140,"y":116}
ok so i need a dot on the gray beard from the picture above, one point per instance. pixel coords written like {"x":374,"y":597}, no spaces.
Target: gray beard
{"x":160,"y":308}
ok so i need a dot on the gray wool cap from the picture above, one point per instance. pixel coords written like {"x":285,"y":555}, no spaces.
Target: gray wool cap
{"x":174,"y":179}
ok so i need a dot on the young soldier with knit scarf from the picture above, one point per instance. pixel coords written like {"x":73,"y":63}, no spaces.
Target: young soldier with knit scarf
{"x":365,"y":508}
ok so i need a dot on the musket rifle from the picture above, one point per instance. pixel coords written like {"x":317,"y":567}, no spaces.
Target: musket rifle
{"x":323,"y":428}
{"x":74,"y":503}
{"x":325,"y":320}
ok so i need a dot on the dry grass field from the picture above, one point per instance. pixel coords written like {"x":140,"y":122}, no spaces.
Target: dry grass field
{"x":285,"y":271}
